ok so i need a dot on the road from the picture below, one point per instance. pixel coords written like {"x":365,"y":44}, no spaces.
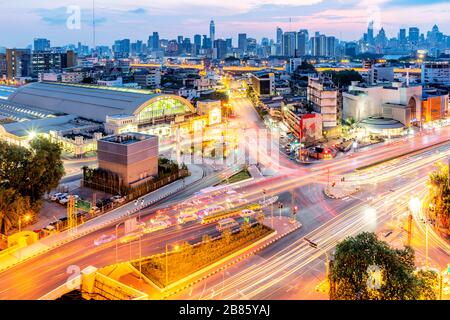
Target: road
{"x":280,"y":271}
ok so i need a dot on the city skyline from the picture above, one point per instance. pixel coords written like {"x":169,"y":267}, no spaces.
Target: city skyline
{"x":346,"y":20}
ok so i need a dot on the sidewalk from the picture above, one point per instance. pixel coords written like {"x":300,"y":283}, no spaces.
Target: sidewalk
{"x":59,"y":239}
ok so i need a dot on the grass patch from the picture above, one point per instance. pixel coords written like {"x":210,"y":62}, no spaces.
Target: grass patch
{"x":191,"y":258}
{"x":241,"y":175}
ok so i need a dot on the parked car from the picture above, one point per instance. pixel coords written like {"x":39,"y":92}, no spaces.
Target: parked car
{"x":118,"y":199}
{"x":55,"y":196}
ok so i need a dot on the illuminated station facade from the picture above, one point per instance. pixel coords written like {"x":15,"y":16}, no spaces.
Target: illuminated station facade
{"x":78,"y":115}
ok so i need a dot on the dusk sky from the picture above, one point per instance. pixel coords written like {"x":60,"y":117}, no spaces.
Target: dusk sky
{"x":23,"y":20}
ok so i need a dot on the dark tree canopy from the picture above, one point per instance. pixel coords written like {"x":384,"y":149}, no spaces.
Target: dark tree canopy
{"x":345,"y":77}
{"x":31,"y":172}
{"x":399,"y":279}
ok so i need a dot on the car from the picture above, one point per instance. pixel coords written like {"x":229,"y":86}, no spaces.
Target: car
{"x":104,"y":239}
{"x":64,"y":200}
{"x":130,"y":237}
{"x":227,"y":223}
{"x":156,"y":225}
{"x":247,"y":213}
{"x":55,"y":196}
{"x":186,"y":217}
{"x":209,"y":211}
{"x":118,"y":199}
{"x":61,"y":196}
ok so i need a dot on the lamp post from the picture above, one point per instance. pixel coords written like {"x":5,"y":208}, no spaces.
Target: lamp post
{"x":26,"y":218}
{"x":117,"y":239}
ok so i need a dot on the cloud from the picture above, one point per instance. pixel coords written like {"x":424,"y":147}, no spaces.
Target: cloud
{"x":138,"y":11}
{"x":58,"y":16}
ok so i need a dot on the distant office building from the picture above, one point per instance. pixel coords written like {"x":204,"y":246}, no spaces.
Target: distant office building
{"x":279,"y":35}
{"x":351,"y":49}
{"x":402,"y":36}
{"x":220,"y":49}
{"x":370,"y":38}
{"x":413,"y":35}
{"x":45,"y":61}
{"x":41,"y":44}
{"x":155,"y":45}
{"x":122,"y":48}
{"x":289,"y":44}
{"x":18,"y":63}
{"x":242,"y":42}
{"x":133,"y":156}
{"x":436,"y":72}
{"x":212,"y":31}
{"x":302,"y":43}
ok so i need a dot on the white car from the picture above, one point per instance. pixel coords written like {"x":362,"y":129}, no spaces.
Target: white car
{"x":118,"y":199}
{"x":104,"y":239}
{"x":55,"y":196}
{"x":247,"y":213}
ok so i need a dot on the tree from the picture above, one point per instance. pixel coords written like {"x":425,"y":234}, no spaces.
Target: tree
{"x":440,"y":196}
{"x":12,"y":208}
{"x":46,"y":169}
{"x":355,"y":260}
{"x":345,"y":77}
{"x":305,"y":67}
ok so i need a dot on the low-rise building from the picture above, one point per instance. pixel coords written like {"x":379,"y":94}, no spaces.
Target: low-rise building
{"x":133,"y":156}
{"x":436,"y":72}
{"x":323,"y":97}
{"x":263,"y":83}
{"x":307,"y":127}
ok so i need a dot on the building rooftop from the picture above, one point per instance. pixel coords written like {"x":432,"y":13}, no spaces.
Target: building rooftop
{"x":91,"y":102}
{"x":128,"y":138}
{"x":44,"y":125}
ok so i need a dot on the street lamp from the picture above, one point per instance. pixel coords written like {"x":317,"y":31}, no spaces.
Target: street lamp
{"x":26,"y":218}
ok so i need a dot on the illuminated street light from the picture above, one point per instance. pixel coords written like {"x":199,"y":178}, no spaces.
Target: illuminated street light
{"x":415,"y":205}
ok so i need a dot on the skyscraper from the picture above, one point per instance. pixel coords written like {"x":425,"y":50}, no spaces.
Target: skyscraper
{"x":289,"y":44}
{"x":155,"y":41}
{"x":242,"y":42}
{"x":212,"y":31}
{"x":302,"y":42}
{"x":41,"y":44}
{"x":402,"y":36}
{"x":370,"y":38}
{"x":413,"y":35}
{"x":279,"y":35}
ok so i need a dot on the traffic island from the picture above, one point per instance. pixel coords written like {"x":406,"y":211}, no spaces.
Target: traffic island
{"x":170,"y":269}
{"x":340,"y":191}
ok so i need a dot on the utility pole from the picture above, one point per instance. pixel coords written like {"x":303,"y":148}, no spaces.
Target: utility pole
{"x":410,"y":219}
